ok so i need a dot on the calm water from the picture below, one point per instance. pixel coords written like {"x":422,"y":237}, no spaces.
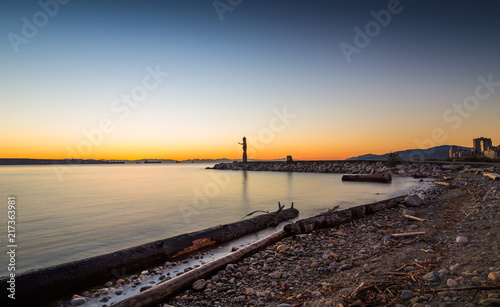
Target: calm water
{"x":103,"y":208}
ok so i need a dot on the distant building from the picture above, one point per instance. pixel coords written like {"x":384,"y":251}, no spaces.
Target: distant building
{"x":457,"y":153}
{"x":480,"y":145}
{"x":492,"y":153}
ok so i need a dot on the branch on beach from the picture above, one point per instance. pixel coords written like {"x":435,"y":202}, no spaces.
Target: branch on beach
{"x":411,"y":217}
{"x":280,"y":208}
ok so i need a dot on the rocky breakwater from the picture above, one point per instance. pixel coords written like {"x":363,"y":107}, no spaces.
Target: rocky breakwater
{"x":347,"y":167}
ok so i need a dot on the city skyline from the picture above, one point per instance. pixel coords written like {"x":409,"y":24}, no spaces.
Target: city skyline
{"x":169,"y":80}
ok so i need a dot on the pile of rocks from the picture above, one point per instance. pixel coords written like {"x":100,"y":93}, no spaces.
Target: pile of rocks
{"x":350,"y":167}
{"x":363,"y":263}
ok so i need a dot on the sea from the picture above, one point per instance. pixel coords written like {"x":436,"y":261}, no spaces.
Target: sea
{"x":71,"y":212}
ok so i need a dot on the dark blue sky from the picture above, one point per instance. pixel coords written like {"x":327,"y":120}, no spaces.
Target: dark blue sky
{"x":263,"y":55}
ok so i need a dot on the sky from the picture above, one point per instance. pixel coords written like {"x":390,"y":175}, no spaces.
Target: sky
{"x":188,"y":79}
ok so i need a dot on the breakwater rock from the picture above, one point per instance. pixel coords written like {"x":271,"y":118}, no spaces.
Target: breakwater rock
{"x":350,"y":167}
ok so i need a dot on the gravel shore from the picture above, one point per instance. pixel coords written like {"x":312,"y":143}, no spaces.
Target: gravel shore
{"x":361,"y":264}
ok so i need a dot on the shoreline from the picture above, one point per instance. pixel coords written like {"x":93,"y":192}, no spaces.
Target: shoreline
{"x":360,"y":263}
{"x":113,"y":287}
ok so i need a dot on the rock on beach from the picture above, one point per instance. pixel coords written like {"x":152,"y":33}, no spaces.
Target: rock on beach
{"x":413,"y":200}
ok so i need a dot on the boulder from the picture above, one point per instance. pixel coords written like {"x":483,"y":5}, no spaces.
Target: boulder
{"x":413,"y":201}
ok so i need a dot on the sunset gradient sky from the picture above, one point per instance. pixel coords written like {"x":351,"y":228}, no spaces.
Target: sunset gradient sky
{"x":200,"y":75}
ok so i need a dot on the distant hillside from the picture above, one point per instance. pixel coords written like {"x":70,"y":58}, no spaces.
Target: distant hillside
{"x":434,"y":153}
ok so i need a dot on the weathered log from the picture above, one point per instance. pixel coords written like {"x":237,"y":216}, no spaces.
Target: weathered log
{"x":48,"y":284}
{"x":336,"y":218}
{"x":166,"y":289}
{"x":493,"y":176}
{"x":445,"y":184}
{"x":382,"y":178}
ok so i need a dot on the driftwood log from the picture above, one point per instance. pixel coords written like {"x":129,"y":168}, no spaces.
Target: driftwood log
{"x":166,"y":289}
{"x":326,"y":219}
{"x":336,"y":218}
{"x":382,"y":178}
{"x":53,"y":282}
{"x":493,"y":176}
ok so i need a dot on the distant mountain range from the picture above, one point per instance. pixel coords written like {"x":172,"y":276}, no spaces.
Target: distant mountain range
{"x":434,"y":153}
{"x":7,"y":161}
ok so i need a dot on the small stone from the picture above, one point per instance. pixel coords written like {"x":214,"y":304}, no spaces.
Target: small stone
{"x":216,"y":279}
{"x":462,"y":240}
{"x":261,"y":294}
{"x":444,"y":272}
{"x":314,"y":264}
{"x":199,"y":285}
{"x":455,"y":268}
{"x":119,"y":291}
{"x":415,"y":301}
{"x":432,"y":276}
{"x":77,"y":301}
{"x":275,"y":275}
{"x":281,"y":248}
{"x":406,"y":294}
{"x":495,"y":276}
{"x":108,"y":284}
{"x":451,"y":283}
{"x":120,"y":282}
{"x":409,"y":212}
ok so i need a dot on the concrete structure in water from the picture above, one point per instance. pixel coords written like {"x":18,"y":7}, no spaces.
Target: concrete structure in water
{"x":244,"y":149}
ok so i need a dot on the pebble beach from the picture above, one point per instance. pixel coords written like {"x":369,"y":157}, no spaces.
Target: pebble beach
{"x":361,"y":264}
{"x":447,"y":257}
